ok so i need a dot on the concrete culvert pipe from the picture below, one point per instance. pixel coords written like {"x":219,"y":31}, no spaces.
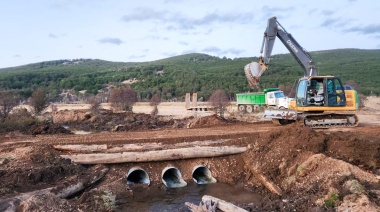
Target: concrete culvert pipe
{"x":202,"y":175}
{"x":172,"y":178}
{"x":137,"y":175}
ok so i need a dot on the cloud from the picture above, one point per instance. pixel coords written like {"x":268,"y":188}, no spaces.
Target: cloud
{"x":16,"y":55}
{"x":169,"y":54}
{"x":115,"y":41}
{"x":369,"y":29}
{"x":176,"y":21}
{"x":51,"y":35}
{"x":136,"y":56}
{"x":184,"y":43}
{"x":279,"y":12}
{"x":335,"y":22}
{"x":327,"y":12}
{"x":221,"y":52}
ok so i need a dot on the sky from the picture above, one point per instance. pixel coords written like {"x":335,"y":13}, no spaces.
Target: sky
{"x":148,"y":30}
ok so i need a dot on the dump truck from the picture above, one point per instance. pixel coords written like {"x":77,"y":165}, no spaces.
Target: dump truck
{"x":254,"y":102}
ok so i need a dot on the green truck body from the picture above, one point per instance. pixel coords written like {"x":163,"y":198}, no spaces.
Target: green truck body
{"x":271,"y":97}
{"x":250,"y":98}
{"x":253,"y":98}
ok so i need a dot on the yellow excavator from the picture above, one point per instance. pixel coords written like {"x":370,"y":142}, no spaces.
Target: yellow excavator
{"x":320,"y":101}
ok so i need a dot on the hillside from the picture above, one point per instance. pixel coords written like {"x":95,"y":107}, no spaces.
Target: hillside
{"x":173,"y":77}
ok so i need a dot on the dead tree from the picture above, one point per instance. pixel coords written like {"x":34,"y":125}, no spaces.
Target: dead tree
{"x":8,"y":100}
{"x":219,"y":100}
{"x":123,"y":98}
{"x":38,"y":101}
{"x":154,"y":102}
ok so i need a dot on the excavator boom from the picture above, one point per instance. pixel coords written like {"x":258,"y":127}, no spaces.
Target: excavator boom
{"x":274,"y":29}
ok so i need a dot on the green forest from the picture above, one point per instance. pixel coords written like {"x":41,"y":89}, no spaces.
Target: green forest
{"x":172,"y":77}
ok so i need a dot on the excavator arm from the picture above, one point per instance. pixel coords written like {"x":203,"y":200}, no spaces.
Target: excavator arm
{"x":274,"y":29}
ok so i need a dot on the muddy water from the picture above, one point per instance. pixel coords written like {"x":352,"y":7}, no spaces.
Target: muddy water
{"x":173,"y":199}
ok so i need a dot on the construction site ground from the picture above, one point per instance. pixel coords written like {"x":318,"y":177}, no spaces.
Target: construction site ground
{"x":335,"y":169}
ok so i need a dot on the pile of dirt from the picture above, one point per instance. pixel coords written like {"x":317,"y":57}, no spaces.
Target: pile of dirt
{"x":312,"y":166}
{"x":43,"y":128}
{"x":107,"y":120}
{"x":39,"y":167}
{"x":206,"y":121}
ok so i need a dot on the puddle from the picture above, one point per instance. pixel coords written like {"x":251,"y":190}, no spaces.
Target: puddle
{"x":173,"y":199}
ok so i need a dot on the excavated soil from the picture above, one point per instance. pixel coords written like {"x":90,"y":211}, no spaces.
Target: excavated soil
{"x":314,"y":170}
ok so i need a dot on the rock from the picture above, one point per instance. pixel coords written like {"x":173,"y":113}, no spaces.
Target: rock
{"x":45,"y":202}
{"x":4,"y":161}
{"x":357,"y":202}
{"x":354,"y":186}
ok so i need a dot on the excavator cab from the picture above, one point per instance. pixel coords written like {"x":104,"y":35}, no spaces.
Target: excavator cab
{"x":320,"y":91}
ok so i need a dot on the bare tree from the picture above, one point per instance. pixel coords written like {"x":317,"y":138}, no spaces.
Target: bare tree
{"x":155,"y":101}
{"x":38,"y":101}
{"x":94,"y":104}
{"x":219,"y":100}
{"x":8,"y":100}
{"x":353,"y":84}
{"x":123,"y":98}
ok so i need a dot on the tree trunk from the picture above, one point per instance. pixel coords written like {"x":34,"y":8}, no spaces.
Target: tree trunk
{"x":263,"y":180}
{"x":159,"y":155}
{"x":222,"y":205}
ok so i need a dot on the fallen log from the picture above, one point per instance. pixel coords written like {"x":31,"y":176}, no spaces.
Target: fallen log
{"x":220,"y":204}
{"x":135,"y":147}
{"x":207,"y":206}
{"x":94,"y":175}
{"x":263,"y":180}
{"x":192,"y":207}
{"x":81,"y":148}
{"x":64,"y":191}
{"x":159,"y":155}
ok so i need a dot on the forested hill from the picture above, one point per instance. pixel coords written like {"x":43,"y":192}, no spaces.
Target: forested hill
{"x":173,"y":77}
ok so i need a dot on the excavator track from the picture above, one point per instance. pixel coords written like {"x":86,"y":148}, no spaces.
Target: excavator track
{"x":331,"y":120}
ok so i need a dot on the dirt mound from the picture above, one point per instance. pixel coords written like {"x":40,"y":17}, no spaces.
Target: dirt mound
{"x":38,"y":129}
{"x":205,"y":121}
{"x":37,"y":169}
{"x":46,"y":202}
{"x":283,"y":146}
{"x":110,"y":121}
{"x":359,"y":150}
{"x":312,"y":164}
{"x":127,"y":121}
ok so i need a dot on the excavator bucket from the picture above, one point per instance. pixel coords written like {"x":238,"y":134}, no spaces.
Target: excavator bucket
{"x":253,"y":71}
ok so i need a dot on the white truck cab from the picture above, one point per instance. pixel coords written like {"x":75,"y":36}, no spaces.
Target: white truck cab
{"x":277,"y":99}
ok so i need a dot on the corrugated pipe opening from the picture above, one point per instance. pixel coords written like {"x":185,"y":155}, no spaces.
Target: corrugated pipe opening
{"x":137,"y":175}
{"x":172,"y":178}
{"x":202,"y":175}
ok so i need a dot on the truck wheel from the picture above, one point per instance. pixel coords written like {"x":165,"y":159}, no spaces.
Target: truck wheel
{"x":241,"y":108}
{"x":249,"y":109}
{"x":256,"y":108}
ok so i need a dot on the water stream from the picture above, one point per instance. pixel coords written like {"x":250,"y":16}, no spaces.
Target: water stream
{"x":173,"y":199}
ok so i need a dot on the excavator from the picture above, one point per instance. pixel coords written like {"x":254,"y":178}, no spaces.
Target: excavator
{"x":320,"y":101}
